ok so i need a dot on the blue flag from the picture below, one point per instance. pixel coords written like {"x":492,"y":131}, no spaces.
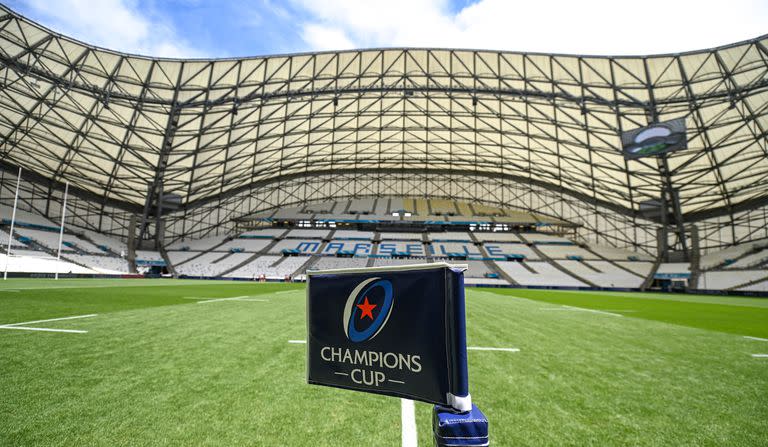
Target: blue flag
{"x":397,"y":331}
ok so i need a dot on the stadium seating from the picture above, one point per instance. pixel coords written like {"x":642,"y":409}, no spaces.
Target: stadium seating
{"x":485,"y":282}
{"x":566,"y":252}
{"x":450,"y":236}
{"x":24,"y":217}
{"x":379,"y":262}
{"x":147,"y":255}
{"x":603,"y":273}
{"x":50,"y":240}
{"x":751,"y":260}
{"x":299,"y":245}
{"x":717,"y":258}
{"x":361,"y":206}
{"x":497,"y":237}
{"x":348,"y":247}
{"x":4,"y":241}
{"x":288,"y":266}
{"x":256,"y":268}
{"x":729,"y":279}
{"x":476,"y":269}
{"x":642,"y":269}
{"x":330,"y":262}
{"x":101,"y":264}
{"x":292,"y":213}
{"x":757,"y":287}
{"x":322,"y":207}
{"x":197,"y":244}
{"x":36,"y":262}
{"x":245,"y":244}
{"x":442,"y":206}
{"x":400,"y":236}
{"x":619,"y":254}
{"x":178,"y":257}
{"x":212,"y":264}
{"x":540,"y":238}
{"x":354,"y":235}
{"x":115,"y":245}
{"x":502,"y":249}
{"x":444,"y":249}
{"x":538,"y":274}
{"x":674,"y":268}
{"x":268,"y":233}
{"x":381,"y":207}
{"x":272,"y":267}
{"x":391,"y":248}
{"x":304,"y":233}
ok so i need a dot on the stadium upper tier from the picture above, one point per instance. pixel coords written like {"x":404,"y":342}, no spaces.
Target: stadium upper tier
{"x":403,"y":210}
{"x":111,"y":123}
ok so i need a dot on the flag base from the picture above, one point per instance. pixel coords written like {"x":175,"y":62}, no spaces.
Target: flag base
{"x":459,"y":429}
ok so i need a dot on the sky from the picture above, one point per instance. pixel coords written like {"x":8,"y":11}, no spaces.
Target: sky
{"x":232,"y":28}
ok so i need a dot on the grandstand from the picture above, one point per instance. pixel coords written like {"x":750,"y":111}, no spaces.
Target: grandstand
{"x":513,"y":166}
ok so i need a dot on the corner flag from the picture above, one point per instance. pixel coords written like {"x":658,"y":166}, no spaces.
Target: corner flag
{"x":398,"y":331}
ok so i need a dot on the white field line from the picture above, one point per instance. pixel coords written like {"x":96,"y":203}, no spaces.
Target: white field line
{"x":485,"y":348}
{"x":593,"y":311}
{"x":408,"y":422}
{"x":760,"y":356}
{"x":287,"y":291}
{"x":581,"y":309}
{"x":234,"y":298}
{"x":44,"y":329}
{"x":755,"y":338}
{"x":297,"y":342}
{"x":50,"y":319}
{"x":137,"y":284}
{"x":9,"y":290}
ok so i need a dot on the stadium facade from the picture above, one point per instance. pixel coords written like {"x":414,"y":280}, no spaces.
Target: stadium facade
{"x":178,"y":149}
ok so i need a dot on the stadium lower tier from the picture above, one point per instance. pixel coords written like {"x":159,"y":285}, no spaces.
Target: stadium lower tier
{"x":562,"y":273}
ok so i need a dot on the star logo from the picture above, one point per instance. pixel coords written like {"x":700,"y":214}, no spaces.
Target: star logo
{"x":368,"y":324}
{"x":366,"y":309}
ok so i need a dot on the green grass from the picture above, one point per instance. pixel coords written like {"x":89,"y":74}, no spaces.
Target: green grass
{"x":156,"y":368}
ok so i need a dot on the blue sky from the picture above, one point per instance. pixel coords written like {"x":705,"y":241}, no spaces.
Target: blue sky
{"x":231,"y":28}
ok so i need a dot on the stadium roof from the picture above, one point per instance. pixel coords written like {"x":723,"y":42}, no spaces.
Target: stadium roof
{"x":117,"y":125}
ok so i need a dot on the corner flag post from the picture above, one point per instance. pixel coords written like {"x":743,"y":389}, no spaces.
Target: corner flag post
{"x":398,"y":331}
{"x":13,"y":221}
{"x":61,"y":230}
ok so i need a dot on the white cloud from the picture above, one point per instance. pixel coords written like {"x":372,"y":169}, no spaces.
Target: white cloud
{"x":326,"y":38}
{"x":114,"y":24}
{"x":565,"y":26}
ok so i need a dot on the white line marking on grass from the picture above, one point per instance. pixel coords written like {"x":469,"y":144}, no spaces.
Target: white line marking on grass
{"x":408,"y":421}
{"x":581,"y":309}
{"x":234,"y":298}
{"x":485,"y":348}
{"x":9,"y":290}
{"x":593,"y":311}
{"x":44,"y":329}
{"x":755,"y":338}
{"x":286,"y":291}
{"x":297,"y":342}
{"x":50,"y":319}
{"x":760,"y":356}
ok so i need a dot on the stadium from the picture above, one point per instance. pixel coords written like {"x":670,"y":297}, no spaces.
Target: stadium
{"x":160,"y":217}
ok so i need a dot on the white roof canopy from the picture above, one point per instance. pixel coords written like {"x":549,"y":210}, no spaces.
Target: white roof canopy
{"x":119,"y":125}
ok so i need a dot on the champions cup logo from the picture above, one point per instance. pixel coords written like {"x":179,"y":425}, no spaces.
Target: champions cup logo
{"x":367,"y":309}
